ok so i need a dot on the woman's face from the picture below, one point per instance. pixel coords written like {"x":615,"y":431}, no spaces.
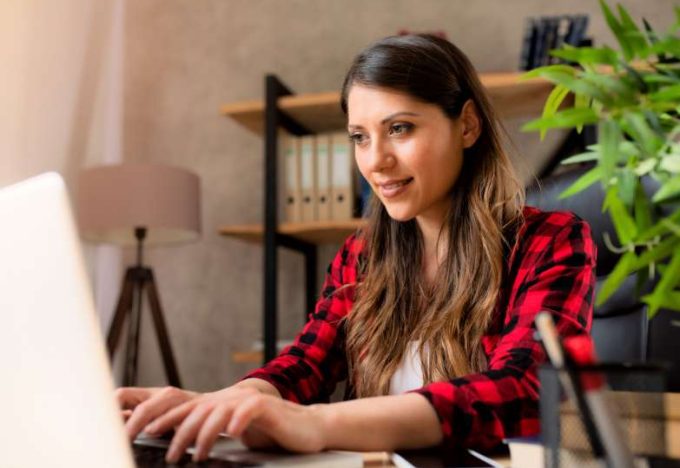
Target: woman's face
{"x":409,"y":151}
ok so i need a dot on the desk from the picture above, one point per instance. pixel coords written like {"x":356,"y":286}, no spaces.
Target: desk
{"x":153,"y":457}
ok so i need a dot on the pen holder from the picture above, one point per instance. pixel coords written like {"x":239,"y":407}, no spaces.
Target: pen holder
{"x":632,"y":392}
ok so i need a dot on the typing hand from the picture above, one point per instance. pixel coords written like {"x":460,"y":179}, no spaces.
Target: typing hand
{"x":140,"y":406}
{"x":258,"y":419}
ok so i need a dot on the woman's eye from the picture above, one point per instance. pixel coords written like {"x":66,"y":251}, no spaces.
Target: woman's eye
{"x":400,"y":128}
{"x":357,"y":138}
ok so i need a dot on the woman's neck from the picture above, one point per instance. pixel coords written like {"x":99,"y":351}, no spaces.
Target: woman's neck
{"x":435,"y":244}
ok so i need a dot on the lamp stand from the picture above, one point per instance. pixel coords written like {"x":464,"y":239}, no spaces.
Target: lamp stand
{"x":137,"y":280}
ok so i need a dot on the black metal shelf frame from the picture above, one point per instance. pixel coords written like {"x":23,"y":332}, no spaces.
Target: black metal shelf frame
{"x":275,"y":118}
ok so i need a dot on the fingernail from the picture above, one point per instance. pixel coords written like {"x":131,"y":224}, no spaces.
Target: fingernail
{"x":171,"y":456}
{"x":150,"y":429}
{"x":231,"y":427}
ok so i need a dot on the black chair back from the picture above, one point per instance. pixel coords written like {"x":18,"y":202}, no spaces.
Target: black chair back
{"x":620,"y":325}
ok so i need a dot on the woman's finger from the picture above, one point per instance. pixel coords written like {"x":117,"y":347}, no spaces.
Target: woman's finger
{"x":171,"y":418}
{"x":245,"y":412}
{"x":210,"y":431}
{"x":187,"y":431}
{"x":126,"y":414}
{"x":129,"y":397}
{"x":153,"y":407}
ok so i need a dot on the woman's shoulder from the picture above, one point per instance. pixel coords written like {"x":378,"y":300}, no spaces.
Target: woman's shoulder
{"x":541,"y":230}
{"x":349,"y":259}
{"x":537,"y":221}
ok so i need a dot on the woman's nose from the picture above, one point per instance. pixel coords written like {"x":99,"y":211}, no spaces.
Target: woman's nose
{"x":381,"y":156}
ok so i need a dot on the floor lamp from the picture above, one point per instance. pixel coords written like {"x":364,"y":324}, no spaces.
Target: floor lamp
{"x":135,"y":204}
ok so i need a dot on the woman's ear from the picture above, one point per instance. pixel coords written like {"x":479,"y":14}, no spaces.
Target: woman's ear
{"x":472,"y":124}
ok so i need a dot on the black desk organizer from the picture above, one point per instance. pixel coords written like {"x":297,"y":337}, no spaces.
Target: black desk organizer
{"x":563,"y":429}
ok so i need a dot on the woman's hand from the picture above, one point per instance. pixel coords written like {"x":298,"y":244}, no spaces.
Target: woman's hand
{"x":259,"y":420}
{"x":143,"y":405}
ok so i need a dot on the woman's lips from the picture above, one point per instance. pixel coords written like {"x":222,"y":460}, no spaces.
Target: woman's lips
{"x":394,"y":188}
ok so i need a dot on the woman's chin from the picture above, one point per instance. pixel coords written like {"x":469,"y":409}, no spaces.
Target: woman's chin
{"x":400,"y":215}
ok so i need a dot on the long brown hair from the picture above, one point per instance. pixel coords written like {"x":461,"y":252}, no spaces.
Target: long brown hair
{"x":394,"y":305}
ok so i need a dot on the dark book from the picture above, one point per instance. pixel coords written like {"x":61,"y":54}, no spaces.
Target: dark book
{"x":528,"y":44}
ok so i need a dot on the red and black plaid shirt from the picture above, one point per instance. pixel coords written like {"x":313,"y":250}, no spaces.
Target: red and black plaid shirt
{"x":551,"y":267}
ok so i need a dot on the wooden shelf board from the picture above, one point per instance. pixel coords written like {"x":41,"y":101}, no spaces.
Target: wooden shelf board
{"x":247,"y":357}
{"x":318,"y":232}
{"x":320,"y":112}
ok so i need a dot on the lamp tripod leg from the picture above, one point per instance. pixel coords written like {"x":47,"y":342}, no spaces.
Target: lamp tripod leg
{"x":122,"y":309}
{"x":134,"y":329}
{"x":162,"y":332}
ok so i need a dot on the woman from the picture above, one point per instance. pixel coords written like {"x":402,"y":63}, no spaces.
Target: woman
{"x":428,"y":312}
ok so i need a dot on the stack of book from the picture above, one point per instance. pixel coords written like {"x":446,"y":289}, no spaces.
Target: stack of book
{"x":546,"y":33}
{"x":650,"y":422}
{"x":319,"y":178}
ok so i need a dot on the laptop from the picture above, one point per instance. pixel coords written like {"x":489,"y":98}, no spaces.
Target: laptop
{"x":56,"y":389}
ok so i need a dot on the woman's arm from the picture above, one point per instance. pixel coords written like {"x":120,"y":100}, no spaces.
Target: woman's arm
{"x":261,"y":420}
{"x":552,"y":270}
{"x":308,"y":370}
{"x":383,"y":423}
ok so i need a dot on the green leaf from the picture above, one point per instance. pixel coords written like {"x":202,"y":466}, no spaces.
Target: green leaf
{"x":661,"y":300}
{"x":581,"y":157}
{"x":669,"y":45}
{"x":637,"y":127}
{"x":568,"y":118}
{"x":634,"y":78}
{"x":635,"y":37}
{"x":583,"y":182}
{"x":618,"y":31}
{"x":584,"y":55}
{"x":670,"y":189}
{"x":672,"y":227}
{"x":553,"y":103}
{"x":645,"y":167}
{"x":671,"y":277}
{"x":669,"y":280}
{"x":581,"y":102}
{"x":641,"y":279}
{"x":626,"y":229}
{"x":669,"y":93}
{"x":610,"y":85}
{"x":670,"y":163}
{"x":660,"y":228}
{"x":658,"y":252}
{"x":656,"y":78}
{"x":641,"y":208}
{"x":542,"y":71}
{"x":624,"y":267}
{"x":609,"y":136}
{"x":628,"y":183}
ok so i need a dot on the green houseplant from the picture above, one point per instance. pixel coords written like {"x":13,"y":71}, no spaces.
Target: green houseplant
{"x":633,"y":96}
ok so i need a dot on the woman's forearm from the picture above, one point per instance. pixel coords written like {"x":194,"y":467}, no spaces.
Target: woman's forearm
{"x":258,"y":384}
{"x":381,"y":423}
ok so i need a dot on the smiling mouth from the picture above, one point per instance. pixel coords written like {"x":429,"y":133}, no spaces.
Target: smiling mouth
{"x":394,"y":188}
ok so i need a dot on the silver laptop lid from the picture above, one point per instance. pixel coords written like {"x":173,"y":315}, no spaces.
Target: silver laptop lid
{"x":56,"y":386}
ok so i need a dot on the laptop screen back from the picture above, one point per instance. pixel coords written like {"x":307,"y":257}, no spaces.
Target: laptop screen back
{"x":55,"y":382}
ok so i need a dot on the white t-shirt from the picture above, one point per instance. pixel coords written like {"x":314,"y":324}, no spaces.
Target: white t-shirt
{"x":409,"y":374}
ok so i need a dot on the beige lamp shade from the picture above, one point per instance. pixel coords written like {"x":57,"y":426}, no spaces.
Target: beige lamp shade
{"x":114,"y":200}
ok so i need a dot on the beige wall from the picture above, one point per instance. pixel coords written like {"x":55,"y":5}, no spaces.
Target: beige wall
{"x":61,"y":100}
{"x":185,"y":58}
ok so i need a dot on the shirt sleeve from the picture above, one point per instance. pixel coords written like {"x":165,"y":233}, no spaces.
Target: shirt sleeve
{"x":308,"y":370}
{"x":554,"y":272}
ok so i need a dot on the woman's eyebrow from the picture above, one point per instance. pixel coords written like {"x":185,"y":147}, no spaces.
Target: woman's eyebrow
{"x":387,"y":119}
{"x":398,"y":114}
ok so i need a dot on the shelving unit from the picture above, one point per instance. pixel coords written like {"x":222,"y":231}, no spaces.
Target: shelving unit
{"x":320,"y":112}
{"x":322,"y":232}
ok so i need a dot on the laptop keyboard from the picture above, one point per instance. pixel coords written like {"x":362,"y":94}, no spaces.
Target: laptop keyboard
{"x":154,"y":457}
